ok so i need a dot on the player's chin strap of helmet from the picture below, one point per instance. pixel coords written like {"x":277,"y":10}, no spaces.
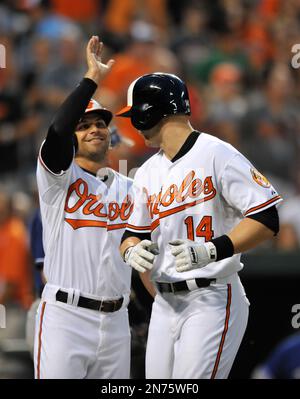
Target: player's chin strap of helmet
{"x":192,"y":255}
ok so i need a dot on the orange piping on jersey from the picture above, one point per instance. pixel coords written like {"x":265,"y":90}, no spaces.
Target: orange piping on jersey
{"x":224,"y":332}
{"x":40,"y":341}
{"x":78,"y":223}
{"x":181,"y":208}
{"x":116,"y":226}
{"x":142,"y":228}
{"x":155,"y":224}
{"x":255,"y":208}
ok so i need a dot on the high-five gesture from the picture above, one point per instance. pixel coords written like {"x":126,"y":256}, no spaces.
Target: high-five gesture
{"x":97,"y":70}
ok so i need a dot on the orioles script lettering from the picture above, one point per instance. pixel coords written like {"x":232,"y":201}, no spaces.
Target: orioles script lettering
{"x":190,"y":188}
{"x":91,"y":204}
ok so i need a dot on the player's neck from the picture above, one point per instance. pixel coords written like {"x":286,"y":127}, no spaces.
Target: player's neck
{"x":174,"y":133}
{"x":91,"y":166}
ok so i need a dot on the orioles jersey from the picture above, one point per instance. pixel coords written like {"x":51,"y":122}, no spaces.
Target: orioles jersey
{"x":83,"y":222}
{"x":200,"y":196}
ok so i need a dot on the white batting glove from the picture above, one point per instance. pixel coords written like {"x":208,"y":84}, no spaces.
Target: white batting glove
{"x":192,"y":255}
{"x":141,"y":256}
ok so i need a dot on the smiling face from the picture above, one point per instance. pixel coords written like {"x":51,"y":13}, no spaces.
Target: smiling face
{"x":93,"y":137}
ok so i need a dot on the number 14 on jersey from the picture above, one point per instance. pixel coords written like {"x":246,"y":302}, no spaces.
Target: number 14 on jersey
{"x":204,"y":228}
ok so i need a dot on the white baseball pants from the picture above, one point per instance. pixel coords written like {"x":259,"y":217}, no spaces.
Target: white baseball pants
{"x":196,"y":334}
{"x":76,"y":343}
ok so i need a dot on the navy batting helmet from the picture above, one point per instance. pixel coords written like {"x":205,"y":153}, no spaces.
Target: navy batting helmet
{"x":154,"y":96}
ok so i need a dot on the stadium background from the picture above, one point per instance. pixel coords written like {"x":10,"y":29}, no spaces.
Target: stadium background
{"x":236,"y":57}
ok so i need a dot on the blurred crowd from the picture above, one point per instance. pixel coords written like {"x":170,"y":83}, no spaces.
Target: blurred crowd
{"x":235,"y":56}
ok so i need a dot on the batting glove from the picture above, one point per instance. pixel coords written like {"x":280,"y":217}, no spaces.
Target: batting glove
{"x":192,"y":255}
{"x":141,"y":256}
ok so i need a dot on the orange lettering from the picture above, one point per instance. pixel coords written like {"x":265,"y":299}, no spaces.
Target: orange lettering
{"x":82,"y":196}
{"x":195,"y":188}
{"x":186,"y":182}
{"x":113,"y":210}
{"x":97,"y":210}
{"x":189,"y":188}
{"x":171,"y":192}
{"x":208,"y":185}
{"x":126,"y":208}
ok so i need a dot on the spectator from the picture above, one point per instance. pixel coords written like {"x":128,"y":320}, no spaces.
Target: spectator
{"x":225,"y":93}
{"x":227,"y":49}
{"x":192,"y":40}
{"x":15,"y":275}
{"x":119,"y":15}
{"x":272,"y":125}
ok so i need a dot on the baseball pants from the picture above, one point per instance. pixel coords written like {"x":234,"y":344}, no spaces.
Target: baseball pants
{"x":196,"y":334}
{"x":77,"y":343}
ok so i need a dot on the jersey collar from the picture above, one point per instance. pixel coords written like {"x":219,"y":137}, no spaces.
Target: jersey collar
{"x":103,"y":178}
{"x":186,"y":146}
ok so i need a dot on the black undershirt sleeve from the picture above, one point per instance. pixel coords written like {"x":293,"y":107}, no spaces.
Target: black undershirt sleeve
{"x":141,"y":236}
{"x":58,"y":149}
{"x":269,"y":217}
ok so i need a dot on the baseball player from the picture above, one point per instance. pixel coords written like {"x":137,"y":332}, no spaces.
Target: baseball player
{"x":82,"y":328}
{"x":199,"y":203}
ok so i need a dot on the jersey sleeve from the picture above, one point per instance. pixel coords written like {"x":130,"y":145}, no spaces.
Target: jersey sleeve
{"x":139,"y":221}
{"x":245,"y":188}
{"x":52,"y":186}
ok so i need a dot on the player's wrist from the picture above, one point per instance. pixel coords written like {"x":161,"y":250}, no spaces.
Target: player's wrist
{"x":94,"y":75}
{"x":211,"y":251}
{"x":223,"y":247}
{"x":127,"y":253}
{"x":202,"y":254}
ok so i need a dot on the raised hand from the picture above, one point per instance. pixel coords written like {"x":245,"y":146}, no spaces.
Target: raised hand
{"x":97,"y":70}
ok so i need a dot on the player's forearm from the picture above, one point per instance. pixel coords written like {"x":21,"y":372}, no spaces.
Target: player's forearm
{"x":127,"y":243}
{"x":58,"y":150}
{"x":248,"y":234}
{"x":145,"y":277}
{"x":72,"y":109}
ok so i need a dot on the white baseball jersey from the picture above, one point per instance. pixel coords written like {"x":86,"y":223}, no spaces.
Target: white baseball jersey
{"x":83,"y":221}
{"x":201,"y":195}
